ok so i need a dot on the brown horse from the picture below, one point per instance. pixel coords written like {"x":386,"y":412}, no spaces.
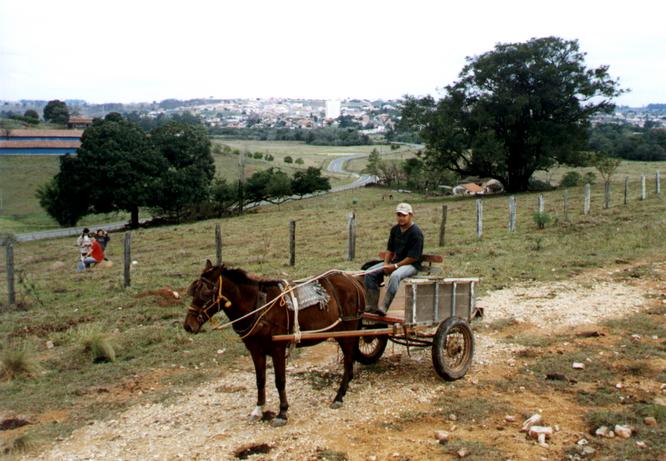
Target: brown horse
{"x":238,"y":294}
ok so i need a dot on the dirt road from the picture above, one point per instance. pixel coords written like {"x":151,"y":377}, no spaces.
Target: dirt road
{"x":392,"y":408}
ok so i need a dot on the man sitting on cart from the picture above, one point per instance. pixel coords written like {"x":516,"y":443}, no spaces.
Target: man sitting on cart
{"x":403,"y":259}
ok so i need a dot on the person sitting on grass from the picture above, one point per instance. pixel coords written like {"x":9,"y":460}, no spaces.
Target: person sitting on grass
{"x":94,"y":256}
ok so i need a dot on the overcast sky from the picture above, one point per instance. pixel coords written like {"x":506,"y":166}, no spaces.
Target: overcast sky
{"x":140,"y":50}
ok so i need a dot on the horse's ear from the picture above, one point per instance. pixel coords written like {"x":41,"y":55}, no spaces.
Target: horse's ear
{"x":208,"y":265}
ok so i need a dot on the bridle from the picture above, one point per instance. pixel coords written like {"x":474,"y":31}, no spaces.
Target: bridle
{"x":202,"y":313}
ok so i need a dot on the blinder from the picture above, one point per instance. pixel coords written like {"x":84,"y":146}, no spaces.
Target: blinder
{"x":202,"y":313}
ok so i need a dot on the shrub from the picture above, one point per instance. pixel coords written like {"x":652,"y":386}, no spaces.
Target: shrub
{"x":541,"y":218}
{"x":258,"y":155}
{"x":288,"y":159}
{"x":16,"y":364}
{"x":571,"y":179}
{"x":537,"y":185}
{"x":269,"y":157}
{"x":589,"y":178}
{"x":299,"y":161}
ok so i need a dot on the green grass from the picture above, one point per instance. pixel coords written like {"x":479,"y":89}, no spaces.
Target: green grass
{"x":148,"y":335}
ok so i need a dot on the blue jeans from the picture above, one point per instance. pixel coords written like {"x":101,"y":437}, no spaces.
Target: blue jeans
{"x":373,"y":280}
{"x":85,"y":263}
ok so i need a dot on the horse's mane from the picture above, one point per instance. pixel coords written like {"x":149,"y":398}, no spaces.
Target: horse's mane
{"x":242,"y":277}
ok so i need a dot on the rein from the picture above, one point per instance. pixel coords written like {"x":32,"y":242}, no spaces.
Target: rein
{"x":301,"y":283}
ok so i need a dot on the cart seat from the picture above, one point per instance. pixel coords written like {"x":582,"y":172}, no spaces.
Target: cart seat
{"x":429,"y":259}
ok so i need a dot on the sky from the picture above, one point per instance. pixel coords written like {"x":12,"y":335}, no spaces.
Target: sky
{"x":145,"y":50}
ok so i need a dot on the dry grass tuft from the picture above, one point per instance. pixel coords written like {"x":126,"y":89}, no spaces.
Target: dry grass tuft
{"x":17,"y":363}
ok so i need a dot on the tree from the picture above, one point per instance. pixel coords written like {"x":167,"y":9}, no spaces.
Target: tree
{"x":606,"y":166}
{"x":223,"y":195}
{"x":516,"y":109}
{"x":373,"y":163}
{"x":309,"y":182}
{"x":56,"y":111}
{"x":191,"y":168}
{"x":116,"y":168}
{"x":269,"y":185}
{"x":30,"y":113}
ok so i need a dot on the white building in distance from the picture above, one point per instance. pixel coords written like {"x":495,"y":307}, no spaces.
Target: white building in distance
{"x":332,"y":108}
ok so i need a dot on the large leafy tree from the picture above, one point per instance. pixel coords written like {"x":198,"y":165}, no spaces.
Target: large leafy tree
{"x":516,"y":109}
{"x":56,"y":111}
{"x":116,"y":168}
{"x":191,"y":167}
{"x":309,"y":182}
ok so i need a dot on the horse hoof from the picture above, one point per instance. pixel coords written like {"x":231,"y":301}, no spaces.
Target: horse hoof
{"x":278,"y":422}
{"x":336,"y":404}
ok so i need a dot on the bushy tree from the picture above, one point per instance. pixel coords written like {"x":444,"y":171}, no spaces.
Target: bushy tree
{"x":56,"y":111}
{"x":31,"y":113}
{"x":271,"y":185}
{"x":309,"y":182}
{"x":190,"y":165}
{"x":116,"y":168}
{"x":516,"y":109}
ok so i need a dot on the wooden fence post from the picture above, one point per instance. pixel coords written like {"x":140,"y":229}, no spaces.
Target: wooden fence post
{"x":566,"y":205}
{"x":540,"y":202}
{"x":292,"y":243}
{"x":607,"y":195}
{"x":643,"y":194}
{"x":657,"y":182}
{"x":127,"y":253}
{"x":351,"y":237}
{"x":442,"y":225}
{"x":512,"y":213}
{"x":626,"y":189}
{"x":479,"y":218}
{"x":11,"y":292}
{"x":586,"y":200}
{"x":218,"y":244}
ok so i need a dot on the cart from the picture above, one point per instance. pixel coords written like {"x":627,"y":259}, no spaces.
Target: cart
{"x":435,"y":313}
{"x":428,"y":311}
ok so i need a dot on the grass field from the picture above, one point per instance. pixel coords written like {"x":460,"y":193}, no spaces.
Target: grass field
{"x":58,"y":307}
{"x":21,"y":176}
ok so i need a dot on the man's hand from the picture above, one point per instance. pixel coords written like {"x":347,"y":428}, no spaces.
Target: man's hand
{"x":389,"y":268}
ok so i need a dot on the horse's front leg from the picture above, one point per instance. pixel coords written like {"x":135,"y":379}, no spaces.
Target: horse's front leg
{"x":259,"y":360}
{"x":279,"y":365}
{"x":347,"y":346}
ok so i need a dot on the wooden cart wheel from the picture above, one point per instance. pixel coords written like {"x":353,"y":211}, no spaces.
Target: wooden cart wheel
{"x":368,"y":349}
{"x":453,"y":348}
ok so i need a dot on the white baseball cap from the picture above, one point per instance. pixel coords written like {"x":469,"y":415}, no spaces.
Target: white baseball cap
{"x":404,"y":208}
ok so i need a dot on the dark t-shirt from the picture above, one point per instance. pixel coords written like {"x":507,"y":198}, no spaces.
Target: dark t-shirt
{"x":406,"y":244}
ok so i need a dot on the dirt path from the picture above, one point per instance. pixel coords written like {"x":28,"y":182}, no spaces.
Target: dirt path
{"x":391,"y":410}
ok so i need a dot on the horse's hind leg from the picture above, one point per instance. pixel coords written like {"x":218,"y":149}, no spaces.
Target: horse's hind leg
{"x":347,"y":346}
{"x":259,"y":360}
{"x":279,"y":365}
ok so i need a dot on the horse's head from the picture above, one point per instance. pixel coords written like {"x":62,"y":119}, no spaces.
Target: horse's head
{"x":208,"y":297}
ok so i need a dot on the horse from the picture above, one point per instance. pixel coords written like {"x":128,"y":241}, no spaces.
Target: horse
{"x":234,"y":291}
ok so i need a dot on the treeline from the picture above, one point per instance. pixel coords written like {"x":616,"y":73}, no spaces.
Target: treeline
{"x":330,"y":136}
{"x":629,"y":142}
{"x":121,"y":167}
{"x":150,"y":123}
